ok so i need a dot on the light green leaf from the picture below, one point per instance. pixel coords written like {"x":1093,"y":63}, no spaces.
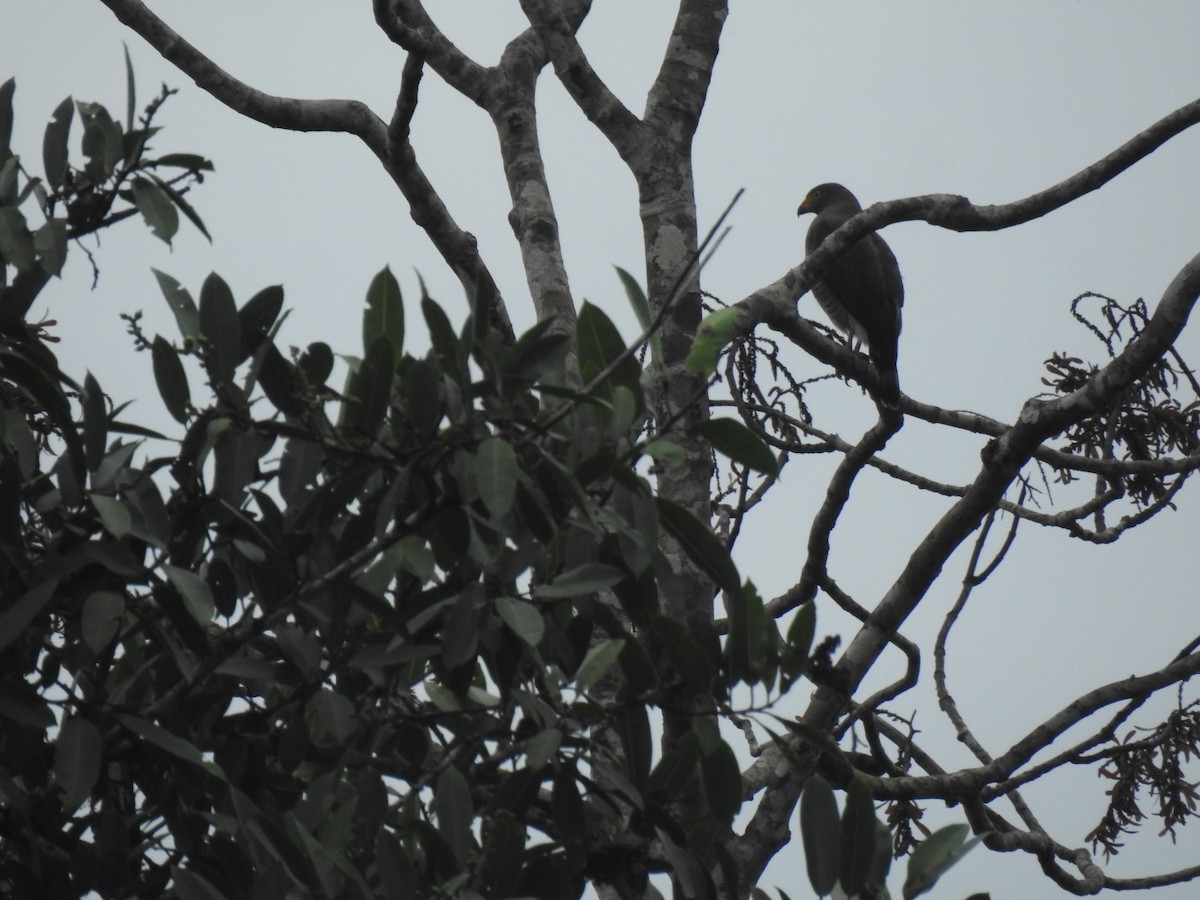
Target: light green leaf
{"x":714,"y":333}
{"x":934,"y":855}
{"x":523,"y":618}
{"x":580,"y":581}
{"x":197,"y":596}
{"x":113,"y":514}
{"x":600,"y":658}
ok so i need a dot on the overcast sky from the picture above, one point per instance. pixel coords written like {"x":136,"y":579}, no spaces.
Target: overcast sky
{"x":993,"y":101}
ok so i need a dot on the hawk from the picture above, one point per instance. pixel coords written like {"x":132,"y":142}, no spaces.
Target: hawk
{"x":861,"y":292}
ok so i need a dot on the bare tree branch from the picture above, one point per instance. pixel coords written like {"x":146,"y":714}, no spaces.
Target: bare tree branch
{"x":456,"y":247}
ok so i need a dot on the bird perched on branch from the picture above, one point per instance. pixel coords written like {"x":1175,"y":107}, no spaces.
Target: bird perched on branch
{"x":861,"y":292}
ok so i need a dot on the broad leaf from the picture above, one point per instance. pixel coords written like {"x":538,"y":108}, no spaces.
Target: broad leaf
{"x":171,"y":379}
{"x":384,"y":316}
{"x":496,"y":475}
{"x":820,"y":830}
{"x":858,"y":837}
{"x":733,"y":439}
{"x":77,"y":756}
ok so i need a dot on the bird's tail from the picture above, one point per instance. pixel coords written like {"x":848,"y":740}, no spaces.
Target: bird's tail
{"x":889,"y":381}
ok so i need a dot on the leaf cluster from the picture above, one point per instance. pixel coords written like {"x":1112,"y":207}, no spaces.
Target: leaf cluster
{"x":355,"y":640}
{"x":1158,"y":416}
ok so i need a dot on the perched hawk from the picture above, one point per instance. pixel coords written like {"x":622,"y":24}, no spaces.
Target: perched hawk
{"x":861,"y":292}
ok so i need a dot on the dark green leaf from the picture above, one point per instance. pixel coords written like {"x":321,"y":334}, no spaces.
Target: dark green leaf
{"x":599,"y":344}
{"x":220,"y":327}
{"x":171,"y":379}
{"x":316,"y":362}
{"x":676,"y":768}
{"x":101,"y":619}
{"x":192,"y":886}
{"x":181,"y":304}
{"x":542,"y":747}
{"x":460,"y":636}
{"x":396,"y":871}
{"x":446,"y":346}
{"x":722,"y":782}
{"x":858,"y":837}
{"x":16,"y":240}
{"x":6,"y":117}
{"x":130,"y":91}
{"x":496,"y":475}
{"x":156,"y":208}
{"x":422,"y":397}
{"x":95,"y":422}
{"x":384,"y":316}
{"x":189,"y":161}
{"x":77,"y":755}
{"x":820,"y":829}
{"x":733,"y":439}
{"x":800,"y":634}
{"x":171,"y":743}
{"x":50,"y":244}
{"x":183,"y":206}
{"x":700,"y":544}
{"x":934,"y":855}
{"x":259,"y":313}
{"x":54,"y":143}
{"x":278,"y":380}
{"x":371,"y":389}
{"x":102,"y":141}
{"x":455,"y":812}
{"x":299,"y":468}
{"x":881,"y":862}
{"x":17,"y":617}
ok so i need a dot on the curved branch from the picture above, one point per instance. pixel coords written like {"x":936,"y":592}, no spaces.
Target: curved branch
{"x":349,"y":116}
{"x":409,"y":26}
{"x":593,"y":97}
{"x":456,"y":246}
{"x":775,"y":302}
{"x":1003,"y":460}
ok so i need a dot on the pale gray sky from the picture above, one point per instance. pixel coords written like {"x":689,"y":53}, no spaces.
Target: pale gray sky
{"x":994,"y":101}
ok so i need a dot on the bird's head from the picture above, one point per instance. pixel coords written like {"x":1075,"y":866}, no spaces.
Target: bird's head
{"x":829,"y":196}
